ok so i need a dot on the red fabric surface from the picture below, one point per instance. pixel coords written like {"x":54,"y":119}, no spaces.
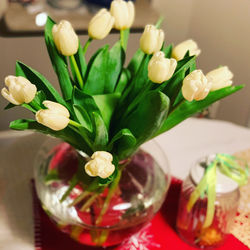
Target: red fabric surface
{"x":159,"y":234}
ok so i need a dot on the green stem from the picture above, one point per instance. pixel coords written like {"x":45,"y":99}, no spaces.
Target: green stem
{"x":91,"y":188}
{"x":74,"y":182}
{"x":122,"y":39}
{"x":89,"y":202}
{"x":79,"y":198}
{"x":159,"y":22}
{"x":35,"y":105}
{"x":84,"y":50}
{"x":112,"y":190}
{"x":102,"y":237}
{"x":76,"y":69}
{"x":75,"y":124}
{"x":76,"y":232}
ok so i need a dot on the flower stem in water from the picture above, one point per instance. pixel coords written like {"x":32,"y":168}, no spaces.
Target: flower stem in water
{"x":89,"y":202}
{"x":112,"y":190}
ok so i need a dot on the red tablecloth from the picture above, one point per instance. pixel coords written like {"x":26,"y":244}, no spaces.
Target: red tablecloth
{"x":159,"y":234}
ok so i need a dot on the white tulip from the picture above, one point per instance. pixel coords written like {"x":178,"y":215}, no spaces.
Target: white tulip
{"x":56,"y":116}
{"x":101,"y":24}
{"x":220,"y":78}
{"x":152,"y":39}
{"x":195,"y":86}
{"x":123,"y":12}
{"x":103,"y":154}
{"x":181,"y":49}
{"x":161,"y":69}
{"x":65,"y":38}
{"x":20,"y":90}
{"x":100,"y":165}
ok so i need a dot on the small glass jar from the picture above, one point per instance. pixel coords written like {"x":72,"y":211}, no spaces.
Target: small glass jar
{"x":190,"y":223}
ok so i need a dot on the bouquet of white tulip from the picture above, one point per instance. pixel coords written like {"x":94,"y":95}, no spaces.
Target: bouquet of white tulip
{"x":106,"y":105}
{"x":108,"y":109}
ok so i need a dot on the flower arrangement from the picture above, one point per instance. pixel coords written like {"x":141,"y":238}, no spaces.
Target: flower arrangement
{"x":108,"y":109}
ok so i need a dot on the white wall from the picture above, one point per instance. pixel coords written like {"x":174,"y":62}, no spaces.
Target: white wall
{"x":223,"y":30}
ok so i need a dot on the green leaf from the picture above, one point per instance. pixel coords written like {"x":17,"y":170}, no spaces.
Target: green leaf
{"x":187,"y":54}
{"x":9,"y":106}
{"x":187,"y":109}
{"x":136,"y":61}
{"x":84,"y":135}
{"x":21,"y":124}
{"x":174,"y":85}
{"x":178,"y":96}
{"x":41,"y":83}
{"x":92,"y":59}
{"x":96,"y":78}
{"x":123,"y":81}
{"x":106,"y":181}
{"x":186,"y":62}
{"x":138,"y":84}
{"x":59,"y":61}
{"x":86,"y":101}
{"x":148,"y":117}
{"x":83,"y":117}
{"x":106,"y":104}
{"x":141,"y":77}
{"x":36,"y":103}
{"x":27,"y":106}
{"x":39,"y":98}
{"x":67,"y":134}
{"x":122,"y":144}
{"x":168,"y":51}
{"x":100,"y":131}
{"x":116,"y":58}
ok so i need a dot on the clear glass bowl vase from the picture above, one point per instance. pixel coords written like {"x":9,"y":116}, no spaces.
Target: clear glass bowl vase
{"x":101,"y":218}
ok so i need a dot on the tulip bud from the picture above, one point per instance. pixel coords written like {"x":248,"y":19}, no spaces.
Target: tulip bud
{"x":195,"y":86}
{"x":20,"y":91}
{"x":65,"y":38}
{"x":101,"y":24}
{"x":161,"y":69}
{"x":100,"y":165}
{"x":181,"y":49}
{"x":123,"y":12}
{"x":56,"y":116}
{"x":220,"y":78}
{"x":151,"y":39}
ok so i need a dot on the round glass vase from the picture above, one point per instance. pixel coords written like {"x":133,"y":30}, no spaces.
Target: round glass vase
{"x":114,"y":213}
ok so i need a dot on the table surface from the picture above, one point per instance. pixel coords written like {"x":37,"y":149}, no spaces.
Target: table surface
{"x":183,"y":145}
